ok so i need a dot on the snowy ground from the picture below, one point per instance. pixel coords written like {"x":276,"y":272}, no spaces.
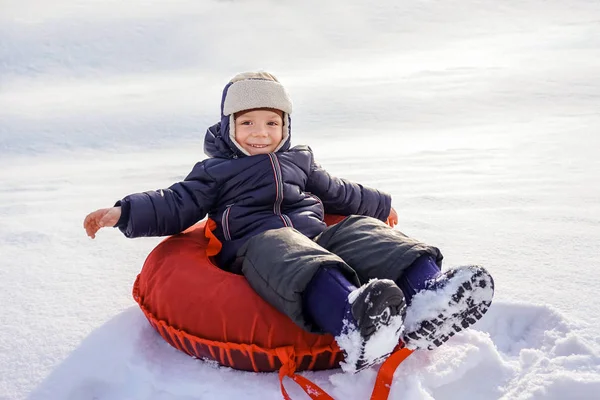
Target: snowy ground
{"x":480,"y":117}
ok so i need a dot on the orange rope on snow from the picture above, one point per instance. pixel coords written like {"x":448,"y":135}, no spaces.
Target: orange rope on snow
{"x":287,"y":357}
{"x":383,"y":382}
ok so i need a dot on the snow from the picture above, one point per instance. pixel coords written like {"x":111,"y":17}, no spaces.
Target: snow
{"x":479,"y":117}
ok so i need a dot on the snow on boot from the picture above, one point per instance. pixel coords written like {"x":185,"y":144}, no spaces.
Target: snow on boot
{"x":378,"y":309}
{"x":451,"y":302}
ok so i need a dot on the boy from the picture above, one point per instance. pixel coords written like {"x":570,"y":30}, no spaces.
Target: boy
{"x":353,"y":279}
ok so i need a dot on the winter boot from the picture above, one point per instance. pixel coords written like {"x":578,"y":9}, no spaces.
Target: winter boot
{"x":446,"y":304}
{"x":378,"y":308}
{"x":367,"y":322}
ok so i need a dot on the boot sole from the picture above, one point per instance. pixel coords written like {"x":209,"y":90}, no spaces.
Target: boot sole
{"x":434,"y":332}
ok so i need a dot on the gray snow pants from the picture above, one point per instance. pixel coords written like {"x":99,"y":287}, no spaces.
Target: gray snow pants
{"x":280,"y":263}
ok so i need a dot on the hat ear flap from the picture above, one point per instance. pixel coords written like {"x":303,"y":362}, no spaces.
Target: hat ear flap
{"x":286,"y":132}
{"x":232,"y":135}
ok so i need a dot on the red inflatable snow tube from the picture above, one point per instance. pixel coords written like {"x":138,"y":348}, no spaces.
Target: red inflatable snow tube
{"x":212,"y":314}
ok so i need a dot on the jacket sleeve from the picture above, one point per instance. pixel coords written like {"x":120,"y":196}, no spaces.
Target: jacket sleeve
{"x":169,"y":211}
{"x":340,"y":196}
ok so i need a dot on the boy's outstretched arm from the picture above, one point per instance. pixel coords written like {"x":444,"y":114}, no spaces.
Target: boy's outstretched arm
{"x":160,"y":212}
{"x":340,"y":196}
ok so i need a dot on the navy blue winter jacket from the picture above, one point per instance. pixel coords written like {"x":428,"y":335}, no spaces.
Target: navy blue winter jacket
{"x":247,"y":195}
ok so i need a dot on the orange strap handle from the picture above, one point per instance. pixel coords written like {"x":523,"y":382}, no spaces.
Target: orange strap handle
{"x":383,"y":382}
{"x":287,"y":357}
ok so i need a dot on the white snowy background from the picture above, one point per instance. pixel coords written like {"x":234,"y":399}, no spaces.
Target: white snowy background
{"x":480,"y":117}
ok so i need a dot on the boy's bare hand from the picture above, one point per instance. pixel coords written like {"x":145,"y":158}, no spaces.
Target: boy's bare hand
{"x":392,"y":219}
{"x":100,"y":219}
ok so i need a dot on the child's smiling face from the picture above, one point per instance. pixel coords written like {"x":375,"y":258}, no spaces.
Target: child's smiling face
{"x":259,"y":131}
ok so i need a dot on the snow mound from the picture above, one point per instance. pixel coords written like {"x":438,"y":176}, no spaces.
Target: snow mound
{"x":518,"y":352}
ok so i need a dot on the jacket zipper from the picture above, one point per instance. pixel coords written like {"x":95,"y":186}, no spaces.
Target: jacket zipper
{"x":279,"y":193}
{"x":225,"y":222}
